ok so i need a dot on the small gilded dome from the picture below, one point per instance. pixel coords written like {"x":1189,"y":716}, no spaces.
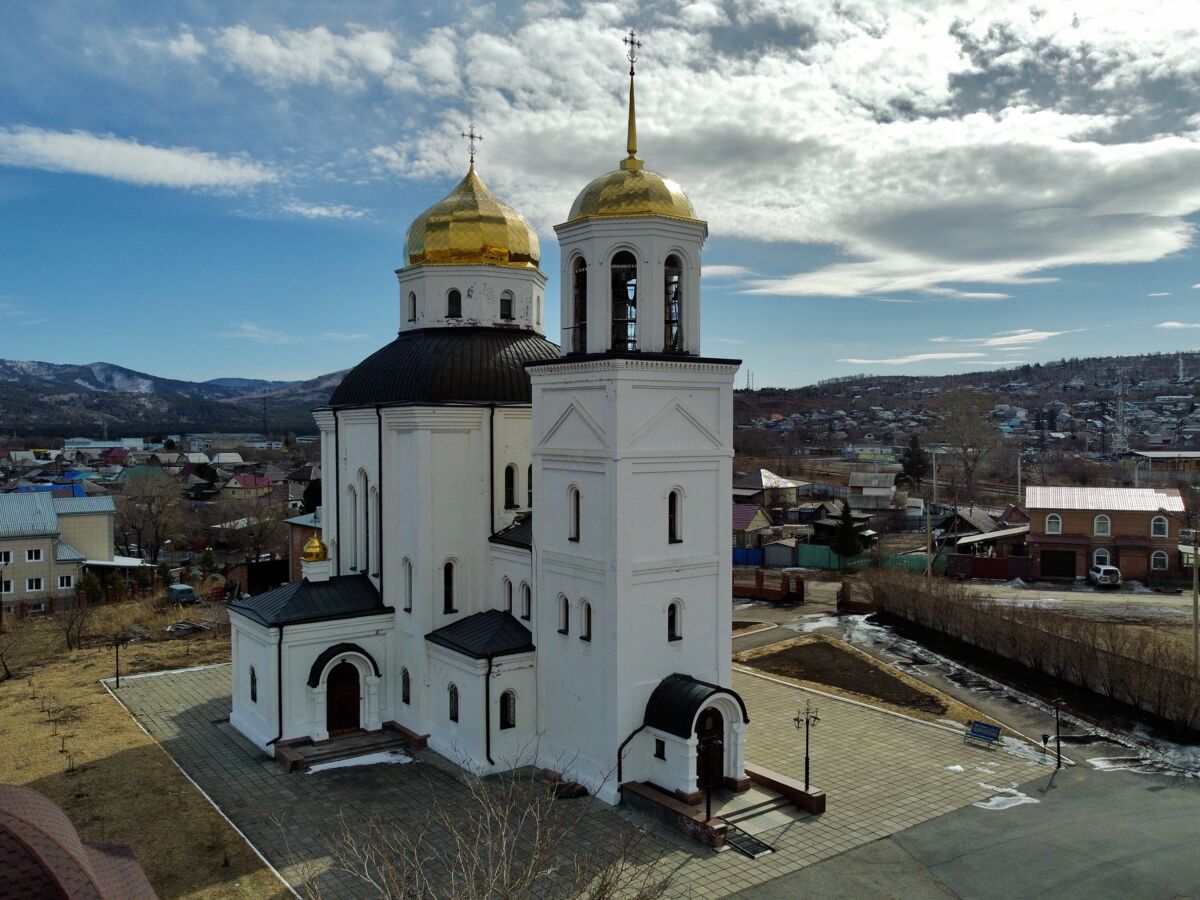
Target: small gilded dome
{"x":632,"y":191}
{"x":315,"y":550}
{"x":471,"y":228}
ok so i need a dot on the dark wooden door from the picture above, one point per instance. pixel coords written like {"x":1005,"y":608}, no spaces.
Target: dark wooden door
{"x":342,"y":699}
{"x":710,"y":750}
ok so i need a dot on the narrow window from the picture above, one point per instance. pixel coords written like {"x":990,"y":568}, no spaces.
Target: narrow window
{"x":453,"y":703}
{"x":408,"y":587}
{"x":585,"y":621}
{"x":1054,"y":524}
{"x":673,"y":312}
{"x":1101,"y":557}
{"x":508,"y":710}
{"x":507,"y":596}
{"x":506,"y":306}
{"x":538,"y":306}
{"x":1159,"y":561}
{"x":253,"y":685}
{"x":579,"y":307}
{"x":1102,"y":526}
{"x":454,"y":304}
{"x":510,"y":487}
{"x":405,"y":687}
{"x":564,"y":615}
{"x":674,"y":633}
{"x":1160,"y":527}
{"x":529,"y":488}
{"x":624,"y":301}
{"x":526,"y":602}
{"x":412,"y":307}
{"x":674,"y":534}
{"x":448,"y":588}
{"x":573,"y":503}
{"x":660,"y":748}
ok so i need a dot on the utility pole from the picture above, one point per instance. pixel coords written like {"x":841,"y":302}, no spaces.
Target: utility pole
{"x":1020,"y":457}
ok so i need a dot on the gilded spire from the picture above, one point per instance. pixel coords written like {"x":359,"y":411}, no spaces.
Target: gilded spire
{"x":631,"y":161}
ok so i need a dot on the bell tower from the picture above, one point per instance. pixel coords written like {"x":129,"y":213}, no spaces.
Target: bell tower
{"x":632,"y":450}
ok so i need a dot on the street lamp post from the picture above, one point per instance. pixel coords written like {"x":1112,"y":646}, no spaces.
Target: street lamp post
{"x":117,"y":642}
{"x":807,"y":719}
{"x":1057,"y":733}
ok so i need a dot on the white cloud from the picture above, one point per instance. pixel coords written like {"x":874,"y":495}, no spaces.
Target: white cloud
{"x":1160,"y":294}
{"x":1178,"y":325}
{"x":323,"y":211}
{"x":1196,"y":287}
{"x":723,"y":271}
{"x":260,"y":334}
{"x":309,"y":57}
{"x":913,"y":358}
{"x":343,"y":336}
{"x":185,"y":46}
{"x":1020,"y":337}
{"x":120,"y":159}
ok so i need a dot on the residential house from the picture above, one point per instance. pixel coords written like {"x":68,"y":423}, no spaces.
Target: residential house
{"x":873,"y":484}
{"x":245,"y":487}
{"x":1074,"y":528}
{"x":750,"y":521}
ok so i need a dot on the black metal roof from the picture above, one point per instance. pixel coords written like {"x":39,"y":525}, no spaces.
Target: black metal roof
{"x":447,"y":365}
{"x":483,"y":634}
{"x":343,"y":597}
{"x":678,"y":699}
{"x":319,"y":664}
{"x":518,"y":534}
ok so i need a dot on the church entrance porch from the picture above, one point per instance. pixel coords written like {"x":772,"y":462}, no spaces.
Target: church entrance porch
{"x":710,"y":750}
{"x":342,"y":700}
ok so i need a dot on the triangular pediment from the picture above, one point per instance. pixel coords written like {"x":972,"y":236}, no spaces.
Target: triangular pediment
{"x":575,"y":428}
{"x":675,"y":427}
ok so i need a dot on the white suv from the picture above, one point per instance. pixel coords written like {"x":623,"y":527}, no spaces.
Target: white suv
{"x":1105,"y":576}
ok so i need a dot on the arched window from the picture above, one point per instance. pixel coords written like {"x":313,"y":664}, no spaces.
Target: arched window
{"x":507,"y":596}
{"x":448,"y":588}
{"x":508,"y":710}
{"x":405,"y":687}
{"x":573,"y":513}
{"x":529,"y":487}
{"x":408,"y":586}
{"x":674,"y":526}
{"x":506,"y":306}
{"x":537,"y":305}
{"x":1159,"y":561}
{"x":412,"y":307}
{"x":1102,"y":526}
{"x":564,"y":615}
{"x":253,"y":685}
{"x":352,"y":550}
{"x":453,"y":700}
{"x":673,"y":311}
{"x":1160,"y":527}
{"x":454,"y":304}
{"x":674,"y":625}
{"x":579,"y":306}
{"x":624,"y":301}
{"x":1101,"y":557}
{"x":1054,"y":524}
{"x":510,"y":487}
{"x":585,"y":620}
{"x":526,"y":602}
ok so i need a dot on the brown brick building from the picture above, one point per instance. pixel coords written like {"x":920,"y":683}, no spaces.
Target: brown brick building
{"x":1073,"y":528}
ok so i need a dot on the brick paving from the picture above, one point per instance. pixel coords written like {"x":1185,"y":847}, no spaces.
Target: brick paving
{"x":881,"y":773}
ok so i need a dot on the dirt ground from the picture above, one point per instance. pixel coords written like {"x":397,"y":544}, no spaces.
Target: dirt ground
{"x":65,"y":736}
{"x":744,"y":626}
{"x":834,"y":666}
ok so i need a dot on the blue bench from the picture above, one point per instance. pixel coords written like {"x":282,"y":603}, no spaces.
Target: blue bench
{"x":982,"y":733}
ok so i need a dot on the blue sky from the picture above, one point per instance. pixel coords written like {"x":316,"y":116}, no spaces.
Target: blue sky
{"x":214,"y":189}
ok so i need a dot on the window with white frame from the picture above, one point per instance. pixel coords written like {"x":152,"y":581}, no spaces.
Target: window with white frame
{"x":1102,"y":526}
{"x":1159,"y":561}
{"x":1160,"y":527}
{"x":5,"y":557}
{"x":674,"y":625}
{"x":564,"y":615}
{"x":507,"y":596}
{"x":34,"y":555}
{"x":65,"y":582}
{"x":573,"y":512}
{"x":33,"y":584}
{"x":585,"y":621}
{"x":1054,"y":524}
{"x":674,"y":523}
{"x":526,"y":602}
{"x":6,"y":586}
{"x":508,"y":710}
{"x":1101,"y":557}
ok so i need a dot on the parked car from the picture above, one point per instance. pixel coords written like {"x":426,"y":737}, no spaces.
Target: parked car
{"x":1105,"y":576}
{"x":183,"y":594}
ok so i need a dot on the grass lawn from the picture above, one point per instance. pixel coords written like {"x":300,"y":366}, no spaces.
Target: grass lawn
{"x":124,"y":788}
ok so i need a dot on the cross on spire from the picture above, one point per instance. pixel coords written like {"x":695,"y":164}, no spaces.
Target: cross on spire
{"x":471,"y":137}
{"x":630,"y":40}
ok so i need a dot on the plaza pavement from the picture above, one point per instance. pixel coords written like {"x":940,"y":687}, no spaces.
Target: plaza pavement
{"x":882,"y":774}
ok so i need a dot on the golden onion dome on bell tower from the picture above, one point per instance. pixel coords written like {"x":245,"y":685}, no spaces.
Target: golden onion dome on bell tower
{"x":315,"y":550}
{"x":470,"y":227}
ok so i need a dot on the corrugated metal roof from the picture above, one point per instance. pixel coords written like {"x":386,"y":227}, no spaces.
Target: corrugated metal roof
{"x":677,"y":700}
{"x":23,"y":515}
{"x":64,"y":552}
{"x":71,"y":506}
{"x":518,"y":534}
{"x":873,"y":479}
{"x":743,"y":515}
{"x":489,"y":633}
{"x":1104,"y":499}
{"x":343,"y":597}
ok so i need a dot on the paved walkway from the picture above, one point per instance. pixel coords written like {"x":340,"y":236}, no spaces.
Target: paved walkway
{"x":882,"y":774}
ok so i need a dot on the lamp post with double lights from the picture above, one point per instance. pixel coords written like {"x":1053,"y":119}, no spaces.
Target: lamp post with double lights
{"x":806,"y":720}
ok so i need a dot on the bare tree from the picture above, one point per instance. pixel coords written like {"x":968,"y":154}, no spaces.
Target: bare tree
{"x":969,"y":436}
{"x":149,"y":513}
{"x":74,"y":621}
{"x":252,"y":526}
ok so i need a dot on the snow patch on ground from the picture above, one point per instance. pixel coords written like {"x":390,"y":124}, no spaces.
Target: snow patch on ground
{"x":815,"y":621}
{"x":1004,"y":798}
{"x":383,"y":757}
{"x":1032,"y":602}
{"x":1136,"y":587}
{"x":959,"y":769}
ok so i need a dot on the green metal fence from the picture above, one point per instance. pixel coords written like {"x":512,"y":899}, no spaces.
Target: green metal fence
{"x":818,"y":556}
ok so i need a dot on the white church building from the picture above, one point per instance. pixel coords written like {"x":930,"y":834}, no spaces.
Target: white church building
{"x":525,"y":553}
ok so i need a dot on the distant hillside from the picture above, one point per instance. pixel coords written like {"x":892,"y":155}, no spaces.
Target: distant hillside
{"x":50,"y":399}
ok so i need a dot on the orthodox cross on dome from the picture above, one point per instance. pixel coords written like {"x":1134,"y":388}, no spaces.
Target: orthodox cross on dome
{"x":631,"y":161}
{"x":471,"y":136}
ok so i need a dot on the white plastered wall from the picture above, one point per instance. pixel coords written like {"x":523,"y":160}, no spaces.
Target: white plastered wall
{"x":480,"y":288}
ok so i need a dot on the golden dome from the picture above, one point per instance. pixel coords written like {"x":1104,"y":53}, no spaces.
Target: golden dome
{"x":632,"y":192}
{"x":471,"y":228}
{"x":315,"y":550}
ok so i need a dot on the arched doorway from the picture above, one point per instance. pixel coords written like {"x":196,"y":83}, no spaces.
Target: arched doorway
{"x":342,"y":695}
{"x":710,"y":749}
